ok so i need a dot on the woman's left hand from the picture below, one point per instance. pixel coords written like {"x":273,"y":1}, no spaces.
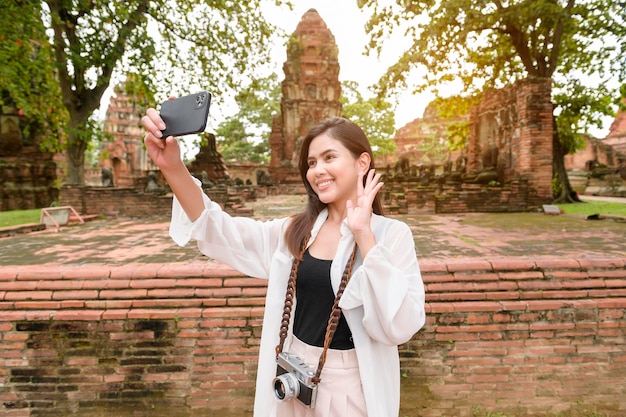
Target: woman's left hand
{"x":360,"y":214}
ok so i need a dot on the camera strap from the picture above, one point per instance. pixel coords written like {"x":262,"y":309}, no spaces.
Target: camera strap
{"x":333,"y":320}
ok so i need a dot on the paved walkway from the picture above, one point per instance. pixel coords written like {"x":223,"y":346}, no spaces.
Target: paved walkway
{"x":478,"y":235}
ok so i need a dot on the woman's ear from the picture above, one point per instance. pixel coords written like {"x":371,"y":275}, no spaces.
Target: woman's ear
{"x":364,"y":162}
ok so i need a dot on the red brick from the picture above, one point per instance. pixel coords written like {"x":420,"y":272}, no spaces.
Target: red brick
{"x":565,"y":294}
{"x":556,"y":263}
{"x":463,"y":296}
{"x":72,"y":304}
{"x":153,"y":283}
{"x":144,"y":271}
{"x":200,"y":282}
{"x":615,"y":283}
{"x":8,"y":274}
{"x":535,"y":305}
{"x":476,"y":306}
{"x":219,"y":292}
{"x":115,"y":314}
{"x":587,"y":283}
{"x":120,"y":272}
{"x":118,"y":304}
{"x":234,"y":302}
{"x":91,"y":271}
{"x":167,"y":303}
{"x":245,"y":282}
{"x":513,"y":264}
{"x":95,"y":304}
{"x":40,"y":315}
{"x":220,"y":270}
{"x":495,"y":286}
{"x":514,"y":305}
{"x":171,"y":293}
{"x":502,"y":295}
{"x":63,"y":284}
{"x":460,"y":265}
{"x":74,"y":295}
{"x":551,"y":326}
{"x":612,"y":303}
{"x":87,"y":315}
{"x":28,"y":295}
{"x":429,"y":266}
{"x":429,"y":278}
{"x":127,"y":294}
{"x":563,"y":275}
{"x":180,"y":270}
{"x":450,"y":287}
{"x":611,"y":315}
{"x":151,"y":314}
{"x":37,"y":272}
{"x":521,"y":275}
{"x":612,"y":273}
{"x":592,"y":263}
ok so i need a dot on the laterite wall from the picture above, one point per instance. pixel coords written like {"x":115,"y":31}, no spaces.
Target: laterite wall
{"x":516,"y":335}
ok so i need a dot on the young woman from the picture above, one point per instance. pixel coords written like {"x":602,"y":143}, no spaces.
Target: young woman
{"x":342,"y":244}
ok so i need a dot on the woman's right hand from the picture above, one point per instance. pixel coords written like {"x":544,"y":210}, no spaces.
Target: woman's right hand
{"x":164,"y":152}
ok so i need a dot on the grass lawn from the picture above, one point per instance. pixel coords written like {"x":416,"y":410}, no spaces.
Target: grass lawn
{"x":587,"y":208}
{"x":296,"y":203}
{"x":18,"y":217}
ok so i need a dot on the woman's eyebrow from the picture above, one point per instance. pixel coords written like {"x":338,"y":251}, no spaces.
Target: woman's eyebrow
{"x":327,"y":151}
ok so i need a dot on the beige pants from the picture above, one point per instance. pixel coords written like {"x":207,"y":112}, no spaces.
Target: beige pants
{"x":339,"y":393}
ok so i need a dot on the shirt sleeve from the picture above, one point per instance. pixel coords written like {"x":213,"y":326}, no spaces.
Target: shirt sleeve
{"x":388,"y":287}
{"x":242,"y":243}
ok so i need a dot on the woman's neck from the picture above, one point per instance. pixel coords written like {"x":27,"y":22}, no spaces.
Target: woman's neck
{"x":336,"y":213}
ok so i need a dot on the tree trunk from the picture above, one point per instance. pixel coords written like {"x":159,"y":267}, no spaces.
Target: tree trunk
{"x":567,"y":194}
{"x":75,"y":156}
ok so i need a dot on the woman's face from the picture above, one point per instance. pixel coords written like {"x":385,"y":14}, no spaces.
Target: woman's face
{"x":333,"y":171}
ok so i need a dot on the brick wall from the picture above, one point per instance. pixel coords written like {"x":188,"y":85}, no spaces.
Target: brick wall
{"x":131,"y":202}
{"x":27,"y":181}
{"x":115,"y":201}
{"x":525,"y":336}
{"x":518,"y":121}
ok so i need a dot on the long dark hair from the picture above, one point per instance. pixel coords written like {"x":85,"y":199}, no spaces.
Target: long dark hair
{"x":353,"y":138}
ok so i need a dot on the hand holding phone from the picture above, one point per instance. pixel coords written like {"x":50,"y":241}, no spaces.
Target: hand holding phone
{"x":185,"y":115}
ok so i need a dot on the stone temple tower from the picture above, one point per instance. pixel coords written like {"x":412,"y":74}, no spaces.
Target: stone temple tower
{"x":311,"y":91}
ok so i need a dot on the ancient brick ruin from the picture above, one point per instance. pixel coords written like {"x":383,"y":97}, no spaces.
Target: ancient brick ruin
{"x":123,"y":158}
{"x":511,"y":132}
{"x":27,"y":175}
{"x":311,"y":91}
{"x":507,"y":166}
{"x":600,"y":167}
{"x":429,"y":129}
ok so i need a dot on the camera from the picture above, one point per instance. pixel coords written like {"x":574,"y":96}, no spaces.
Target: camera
{"x":294,"y":380}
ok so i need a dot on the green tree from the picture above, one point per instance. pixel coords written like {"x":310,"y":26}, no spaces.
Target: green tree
{"x":245,"y":135}
{"x":27,"y":73}
{"x":493,"y":43}
{"x":374,"y":115}
{"x":174,"y":46}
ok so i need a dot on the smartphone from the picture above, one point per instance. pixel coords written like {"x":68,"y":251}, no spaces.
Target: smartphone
{"x":185,"y":115}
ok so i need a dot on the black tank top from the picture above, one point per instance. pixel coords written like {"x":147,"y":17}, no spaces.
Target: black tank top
{"x":315,"y":298}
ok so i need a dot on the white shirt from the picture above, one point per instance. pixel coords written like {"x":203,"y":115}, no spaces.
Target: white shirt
{"x":383,"y":303}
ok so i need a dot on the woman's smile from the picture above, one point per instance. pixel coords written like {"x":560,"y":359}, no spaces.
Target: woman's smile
{"x":324,"y":184}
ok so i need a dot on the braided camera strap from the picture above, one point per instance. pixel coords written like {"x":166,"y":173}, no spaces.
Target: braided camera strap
{"x":333,"y":320}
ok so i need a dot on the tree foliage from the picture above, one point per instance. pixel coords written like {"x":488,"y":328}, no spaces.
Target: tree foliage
{"x":493,"y":43}
{"x":174,"y":47}
{"x":27,"y":79}
{"x":245,"y":135}
{"x":374,"y":115}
